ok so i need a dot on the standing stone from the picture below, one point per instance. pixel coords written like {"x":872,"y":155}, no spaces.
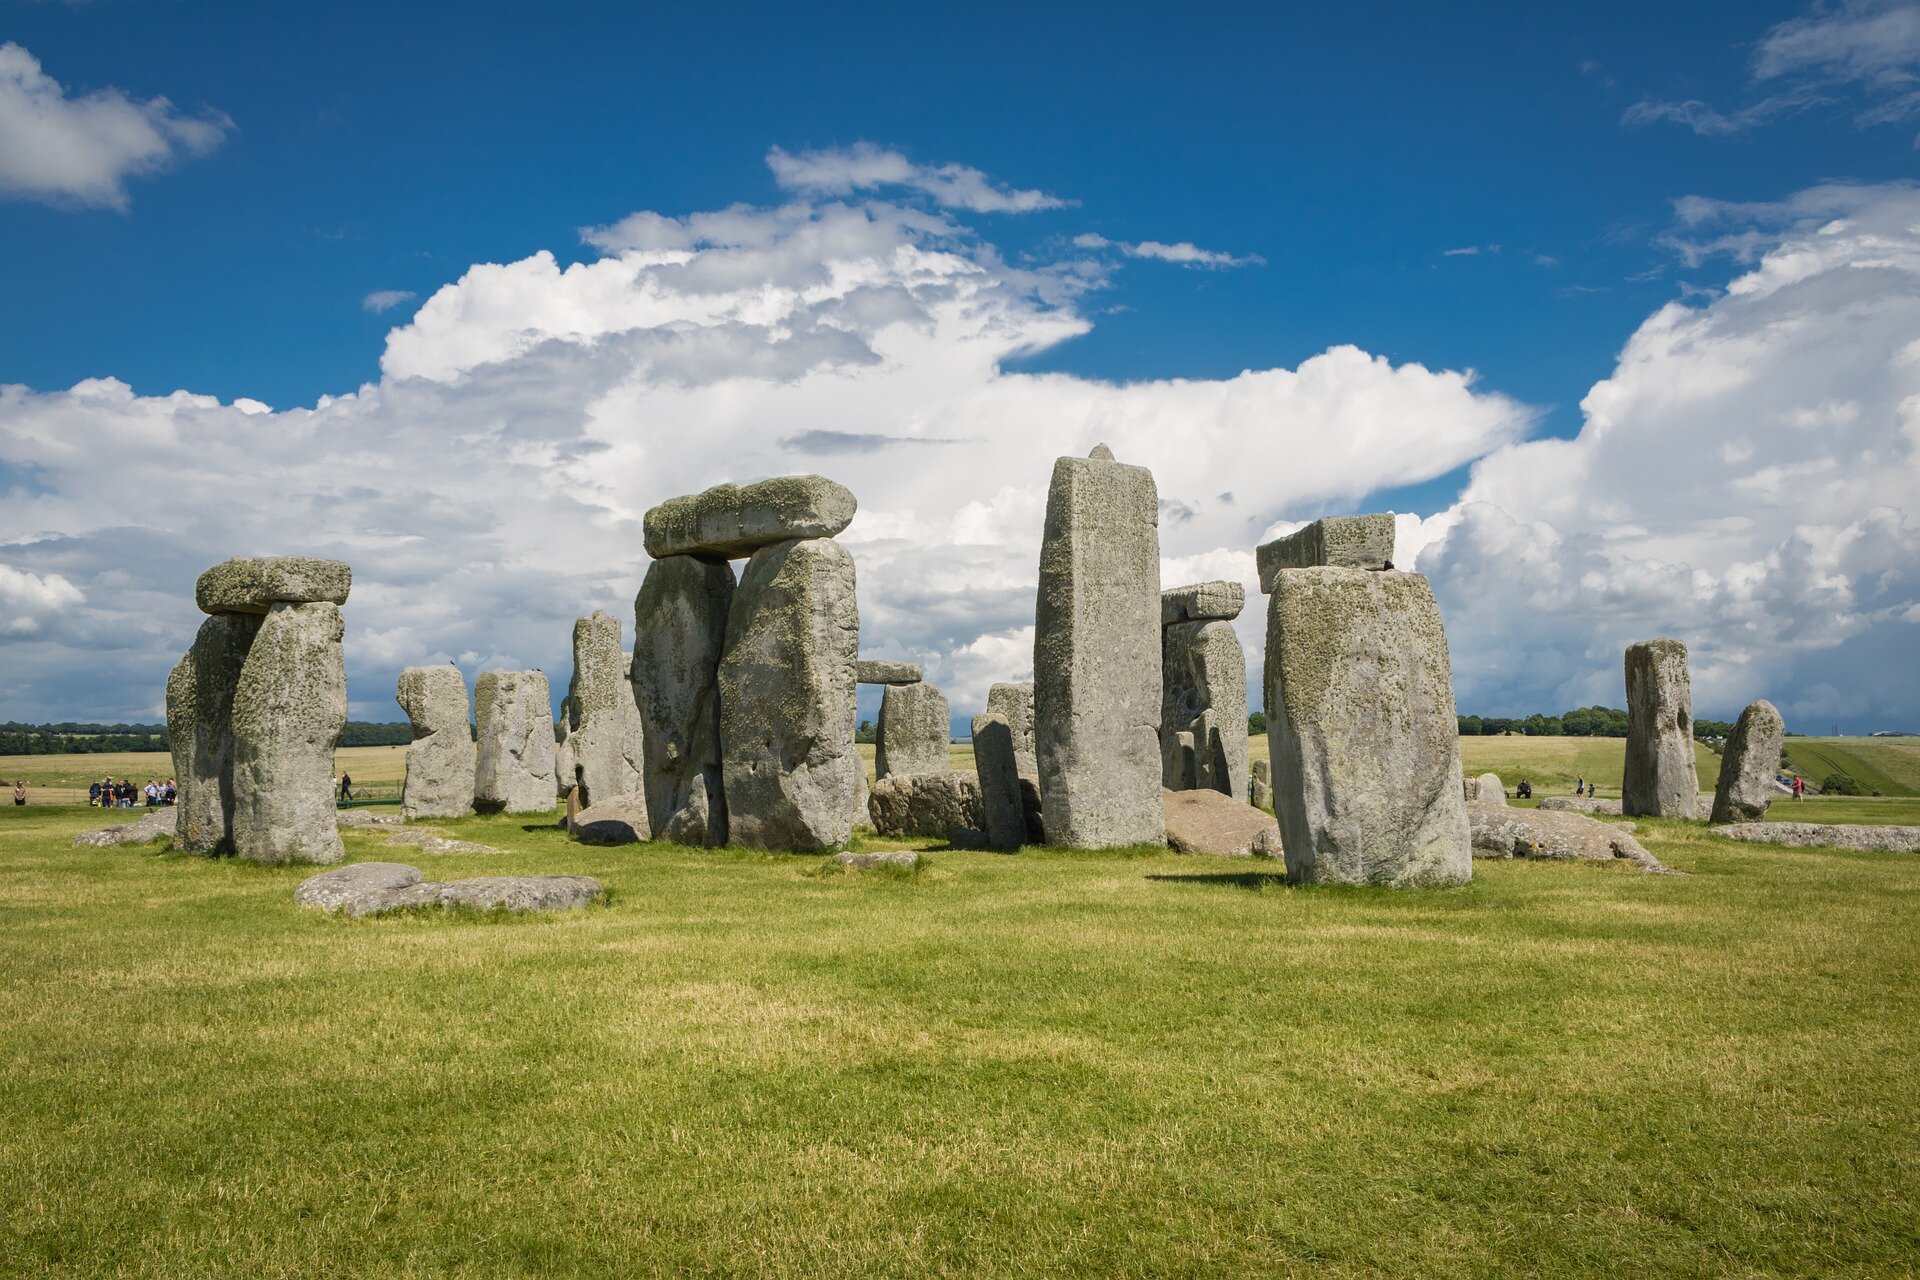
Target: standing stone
{"x":440,"y":758}
{"x":288,"y":711}
{"x":997,"y":765}
{"x":862,"y":799}
{"x":1096,"y":656}
{"x":1487,"y":788}
{"x":787,"y":698}
{"x":1260,"y":786}
{"x":1205,"y":674}
{"x":566,"y":767}
{"x":513,"y":766}
{"x":1338,"y":542}
{"x":1748,"y":764}
{"x":1179,"y":765}
{"x":608,"y":757}
{"x":1659,"y":778}
{"x":914,"y":731}
{"x":679,"y":632}
{"x":200,"y":730}
{"x":1015,"y":702}
{"x":1361,"y":728}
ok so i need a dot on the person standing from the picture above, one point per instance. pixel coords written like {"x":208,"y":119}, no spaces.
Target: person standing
{"x":1799,"y":787}
{"x":20,"y":792}
{"x":346,"y":786}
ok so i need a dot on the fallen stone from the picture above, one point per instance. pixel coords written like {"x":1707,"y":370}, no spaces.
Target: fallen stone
{"x":1096,"y":656}
{"x":1208,"y":822}
{"x":434,"y":842}
{"x":1823,"y":835}
{"x":679,"y":632}
{"x":1202,"y":602}
{"x":927,"y":804}
{"x":878,"y":671}
{"x":789,"y":764}
{"x":605,"y":733}
{"x":1362,"y":732}
{"x":153,"y":825}
{"x":888,"y":858}
{"x":1658,"y":778}
{"x":914,"y":730}
{"x":731,"y":521}
{"x":513,"y":759}
{"x":288,"y":710}
{"x":200,"y":730}
{"x":1748,"y":764}
{"x":1500,"y":831}
{"x":366,"y":818}
{"x":997,"y":768}
{"x":1582,"y":804}
{"x":1340,"y":542}
{"x":439,"y":781}
{"x":621,"y":820}
{"x":1204,"y":695}
{"x":357,"y":888}
{"x":254,"y":584}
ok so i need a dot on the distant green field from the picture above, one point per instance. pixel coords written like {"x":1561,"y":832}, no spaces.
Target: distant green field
{"x":1890,"y":766}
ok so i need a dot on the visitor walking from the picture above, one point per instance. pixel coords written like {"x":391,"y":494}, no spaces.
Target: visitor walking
{"x":93,"y":796}
{"x":1580,"y":786}
{"x":346,"y":786}
{"x":1799,"y":787}
{"x":20,"y":792}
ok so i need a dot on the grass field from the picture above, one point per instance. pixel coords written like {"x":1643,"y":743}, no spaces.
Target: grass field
{"x":1890,"y":766}
{"x":1052,"y":1063}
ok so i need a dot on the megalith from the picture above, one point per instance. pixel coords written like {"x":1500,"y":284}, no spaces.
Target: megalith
{"x":789,"y":765}
{"x":440,"y":758}
{"x":1362,"y":731}
{"x":679,"y":632}
{"x":514,"y":748}
{"x":1096,"y":656}
{"x":288,"y":710}
{"x":1748,"y":764}
{"x":886,"y":671}
{"x":200,"y":731}
{"x":1014,"y":700}
{"x":730,"y":520}
{"x":997,"y":765}
{"x":1260,"y":785}
{"x":254,"y":584}
{"x":1204,"y":689}
{"x":913,"y":732}
{"x":605,"y":734}
{"x":1340,"y":542}
{"x":1659,"y":779}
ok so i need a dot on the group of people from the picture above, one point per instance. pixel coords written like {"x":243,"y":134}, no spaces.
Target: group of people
{"x":1581,"y":787}
{"x":108,"y":794}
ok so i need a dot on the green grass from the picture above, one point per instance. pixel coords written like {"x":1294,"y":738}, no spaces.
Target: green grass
{"x":1890,"y":766}
{"x":1126,"y":1064}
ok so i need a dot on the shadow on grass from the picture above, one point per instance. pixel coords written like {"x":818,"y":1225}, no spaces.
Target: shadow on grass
{"x":1255,"y":880}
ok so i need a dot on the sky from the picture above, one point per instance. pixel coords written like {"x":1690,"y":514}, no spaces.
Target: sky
{"x":1618,"y":310}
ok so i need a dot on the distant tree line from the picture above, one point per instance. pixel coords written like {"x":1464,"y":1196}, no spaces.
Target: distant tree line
{"x":1584,"y":722}
{"x":73,"y":738}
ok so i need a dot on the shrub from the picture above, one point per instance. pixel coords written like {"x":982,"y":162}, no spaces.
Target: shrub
{"x":1841,"y":784}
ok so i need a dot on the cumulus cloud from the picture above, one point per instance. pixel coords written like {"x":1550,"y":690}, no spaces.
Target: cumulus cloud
{"x":65,"y":149}
{"x":488,"y":486}
{"x":1744,"y":481}
{"x":387,"y":299}
{"x":1185,"y":253}
{"x":841,"y":171}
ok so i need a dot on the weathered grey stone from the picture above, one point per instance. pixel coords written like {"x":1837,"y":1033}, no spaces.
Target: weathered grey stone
{"x":997,"y":766}
{"x":1179,"y":761}
{"x":254,"y":584}
{"x":440,"y":758}
{"x":1487,"y":788}
{"x":1824,"y":835}
{"x":370,"y":888}
{"x":862,"y":820}
{"x":1204,"y":693}
{"x":621,"y":820}
{"x":153,"y":825}
{"x":879,"y":671}
{"x":606,"y":735}
{"x":1202,"y":602}
{"x":883,"y":858}
{"x":731,"y":520}
{"x":1659,"y":779}
{"x":1340,"y":542}
{"x":1362,"y":732}
{"x":679,"y":632}
{"x":288,"y":711}
{"x":1582,"y":804}
{"x":365,"y":818}
{"x":1503,"y":832}
{"x":355,"y":888}
{"x":513,"y":763}
{"x":200,"y":730}
{"x":566,"y":765}
{"x":1260,"y":786}
{"x":787,"y":709}
{"x":692,"y":823}
{"x":1748,"y":764}
{"x":914,"y":730}
{"x":1207,"y":821}
{"x":927,"y":804}
{"x":433,"y":842}
{"x":1096,"y":656}
{"x":1014,"y":701}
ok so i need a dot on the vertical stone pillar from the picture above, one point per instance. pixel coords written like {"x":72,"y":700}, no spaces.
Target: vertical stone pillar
{"x":1748,"y":764}
{"x":200,"y":731}
{"x":679,"y":632}
{"x":605,"y":740}
{"x":1096,"y":656}
{"x":514,"y":748}
{"x":288,"y":710}
{"x":1659,"y":779}
{"x":440,"y":758}
{"x":787,"y":698}
{"x":1204,"y":670}
{"x":997,"y":765}
{"x":914,"y":730}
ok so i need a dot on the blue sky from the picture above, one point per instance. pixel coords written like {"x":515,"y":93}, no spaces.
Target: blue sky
{"x":1486,"y":188}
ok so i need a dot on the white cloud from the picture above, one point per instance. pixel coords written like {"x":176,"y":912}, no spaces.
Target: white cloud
{"x":489,"y":486}
{"x":387,"y":299}
{"x":840,"y":171}
{"x":28,"y":600}
{"x":81,"y":150}
{"x":1744,"y":481}
{"x":1185,"y":253}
